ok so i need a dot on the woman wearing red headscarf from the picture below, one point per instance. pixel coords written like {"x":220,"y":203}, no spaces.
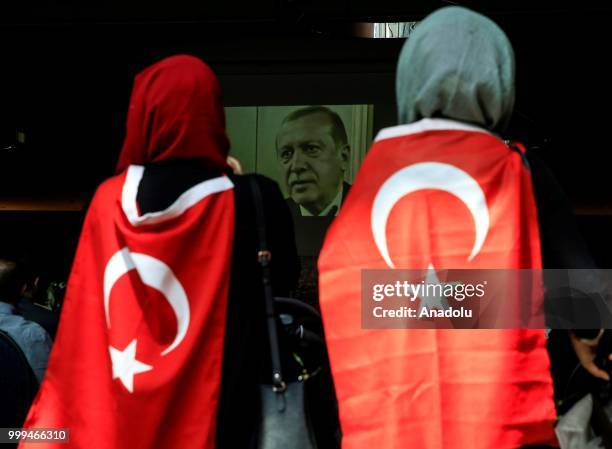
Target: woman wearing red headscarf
{"x":153,"y":300}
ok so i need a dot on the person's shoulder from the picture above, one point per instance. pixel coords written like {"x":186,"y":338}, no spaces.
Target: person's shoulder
{"x":272,"y":197}
{"x":37,"y":313}
{"x":112,"y":182}
{"x":261,"y":180}
{"x":34,"y":332}
{"x":107,"y":188}
{"x":268,"y":186}
{"x":26,"y":332}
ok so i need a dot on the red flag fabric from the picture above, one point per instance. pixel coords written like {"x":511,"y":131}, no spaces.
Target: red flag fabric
{"x":454,"y":196}
{"x":137,"y":359}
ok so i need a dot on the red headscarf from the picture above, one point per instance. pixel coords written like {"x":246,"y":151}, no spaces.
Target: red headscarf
{"x":175,"y":113}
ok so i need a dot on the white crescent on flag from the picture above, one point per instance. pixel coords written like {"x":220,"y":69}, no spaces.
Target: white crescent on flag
{"x":155,"y":274}
{"x":422,"y":176}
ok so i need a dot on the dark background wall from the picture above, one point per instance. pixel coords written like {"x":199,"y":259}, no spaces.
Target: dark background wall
{"x":66,"y":71}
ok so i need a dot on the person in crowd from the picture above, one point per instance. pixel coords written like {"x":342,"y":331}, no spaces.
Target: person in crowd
{"x":162,"y":339}
{"x":442,"y":388}
{"x":32,"y":296}
{"x":33,"y":340}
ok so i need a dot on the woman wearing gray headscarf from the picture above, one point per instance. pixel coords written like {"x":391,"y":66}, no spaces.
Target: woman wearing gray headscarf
{"x":443,"y":191}
{"x":457,"y":65}
{"x":460,"y":65}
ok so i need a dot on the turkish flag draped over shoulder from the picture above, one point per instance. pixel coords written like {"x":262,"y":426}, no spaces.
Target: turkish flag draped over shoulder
{"x":137,"y":360}
{"x":138,"y":355}
{"x":445,"y":194}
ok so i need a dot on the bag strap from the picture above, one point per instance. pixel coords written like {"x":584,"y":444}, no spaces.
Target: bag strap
{"x":263,"y":257}
{"x":519,"y":148}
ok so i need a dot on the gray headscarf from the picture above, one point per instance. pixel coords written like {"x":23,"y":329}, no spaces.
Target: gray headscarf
{"x":457,"y":65}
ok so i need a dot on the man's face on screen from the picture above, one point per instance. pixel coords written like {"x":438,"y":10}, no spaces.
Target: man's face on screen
{"x":313,"y":165}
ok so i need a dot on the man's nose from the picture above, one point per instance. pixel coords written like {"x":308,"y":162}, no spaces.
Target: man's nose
{"x":298,"y":162}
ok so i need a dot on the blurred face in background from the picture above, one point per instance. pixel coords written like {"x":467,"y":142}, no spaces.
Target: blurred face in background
{"x":313,"y":163}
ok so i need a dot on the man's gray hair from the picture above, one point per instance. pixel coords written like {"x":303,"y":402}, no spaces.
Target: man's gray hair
{"x":338,"y":131}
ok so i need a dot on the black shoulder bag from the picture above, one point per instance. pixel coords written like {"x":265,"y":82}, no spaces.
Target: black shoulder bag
{"x":284,"y":420}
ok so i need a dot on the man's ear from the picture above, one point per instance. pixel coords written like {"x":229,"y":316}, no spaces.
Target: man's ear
{"x":345,"y":154}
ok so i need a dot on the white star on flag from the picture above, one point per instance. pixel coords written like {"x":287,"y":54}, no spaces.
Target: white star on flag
{"x":430,"y":302}
{"x":125,"y":365}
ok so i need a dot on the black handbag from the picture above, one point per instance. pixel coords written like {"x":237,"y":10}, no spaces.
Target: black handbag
{"x":284,"y":418}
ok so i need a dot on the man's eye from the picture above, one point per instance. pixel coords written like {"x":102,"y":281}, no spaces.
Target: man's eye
{"x":311,"y":149}
{"x":286,"y":154}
